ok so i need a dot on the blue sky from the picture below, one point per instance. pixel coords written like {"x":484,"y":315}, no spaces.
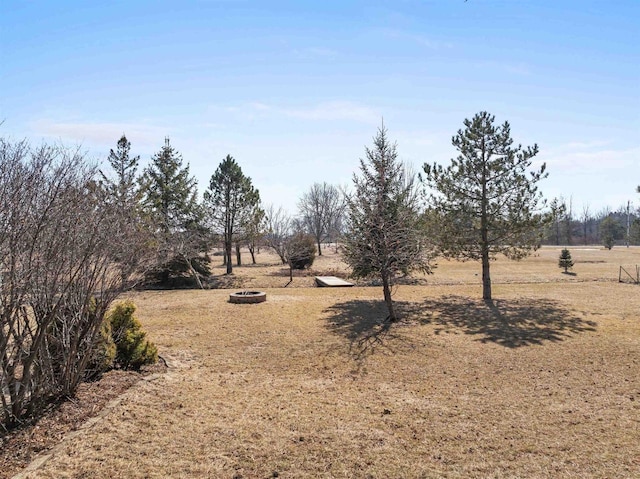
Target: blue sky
{"x":295,"y":90}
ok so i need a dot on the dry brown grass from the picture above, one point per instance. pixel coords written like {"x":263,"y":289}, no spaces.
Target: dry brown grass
{"x":544,"y":382}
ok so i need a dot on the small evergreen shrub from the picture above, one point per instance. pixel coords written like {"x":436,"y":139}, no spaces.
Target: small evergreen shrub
{"x":301,"y":251}
{"x":565,"y":260}
{"x":132,"y":349}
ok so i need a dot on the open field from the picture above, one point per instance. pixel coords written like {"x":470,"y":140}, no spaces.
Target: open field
{"x":592,"y":263}
{"x":543,"y":383}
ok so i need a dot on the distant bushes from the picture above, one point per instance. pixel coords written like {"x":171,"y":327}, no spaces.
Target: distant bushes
{"x":177,"y":273}
{"x":301,"y":251}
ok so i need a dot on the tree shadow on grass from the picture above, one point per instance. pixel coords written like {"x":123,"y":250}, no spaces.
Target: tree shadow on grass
{"x":510,"y":323}
{"x":363,"y":323}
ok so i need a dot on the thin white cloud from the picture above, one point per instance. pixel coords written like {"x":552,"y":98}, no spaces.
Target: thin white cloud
{"x":259,"y":106}
{"x":98,"y":133}
{"x":417,"y":38}
{"x":582,"y":158}
{"x":587,"y":144}
{"x":314,"y":53}
{"x":325,"y":111}
{"x":336,"y":110}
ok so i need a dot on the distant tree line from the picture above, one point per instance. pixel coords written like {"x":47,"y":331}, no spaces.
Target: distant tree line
{"x":605,"y":227}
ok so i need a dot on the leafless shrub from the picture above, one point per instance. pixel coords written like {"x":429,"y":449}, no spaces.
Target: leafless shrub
{"x":62,"y":262}
{"x":278,"y":229}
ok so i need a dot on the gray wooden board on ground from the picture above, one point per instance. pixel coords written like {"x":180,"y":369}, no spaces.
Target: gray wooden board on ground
{"x":331,"y":282}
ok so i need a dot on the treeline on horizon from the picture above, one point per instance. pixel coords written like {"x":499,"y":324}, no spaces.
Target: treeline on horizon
{"x":605,"y":227}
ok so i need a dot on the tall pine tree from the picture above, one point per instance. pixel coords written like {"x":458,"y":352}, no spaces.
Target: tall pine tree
{"x":170,"y":193}
{"x":230,"y":200}
{"x":383,"y":234}
{"x":485,"y":202}
{"x":122,"y":186}
{"x":122,"y":191}
{"x":170,"y":201}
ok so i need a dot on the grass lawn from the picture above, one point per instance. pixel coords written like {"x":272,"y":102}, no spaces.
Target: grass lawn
{"x":544,"y":382}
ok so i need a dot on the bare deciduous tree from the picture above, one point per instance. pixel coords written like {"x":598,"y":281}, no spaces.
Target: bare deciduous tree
{"x":585,"y":218}
{"x":254,"y":230}
{"x":278,"y":226}
{"x":321,"y":209}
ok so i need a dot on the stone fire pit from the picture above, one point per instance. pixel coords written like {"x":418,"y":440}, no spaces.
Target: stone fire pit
{"x":248,"y":297}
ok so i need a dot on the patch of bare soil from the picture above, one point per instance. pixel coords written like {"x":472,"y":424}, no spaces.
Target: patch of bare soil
{"x":20,"y":446}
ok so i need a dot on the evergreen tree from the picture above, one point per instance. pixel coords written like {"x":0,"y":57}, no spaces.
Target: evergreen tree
{"x":121,"y":190}
{"x":230,"y":200}
{"x":565,"y":260}
{"x":123,"y":187}
{"x":555,"y":229}
{"x":610,"y":230}
{"x":383,"y":233}
{"x":485,"y":202}
{"x":170,"y":194}
{"x":169,"y":199}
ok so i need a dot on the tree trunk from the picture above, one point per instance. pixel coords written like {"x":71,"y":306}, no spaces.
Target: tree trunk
{"x":238,"y":256}
{"x":252,"y":252}
{"x":486,"y":276}
{"x":319,"y":249}
{"x":484,"y":233}
{"x":386,"y":288}
{"x":193,"y":272}
{"x":227,"y":252}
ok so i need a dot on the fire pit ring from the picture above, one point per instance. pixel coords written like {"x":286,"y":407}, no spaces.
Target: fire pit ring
{"x":248,"y":297}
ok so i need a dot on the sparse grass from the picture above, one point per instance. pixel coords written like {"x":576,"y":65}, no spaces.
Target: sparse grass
{"x":543,"y":382}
